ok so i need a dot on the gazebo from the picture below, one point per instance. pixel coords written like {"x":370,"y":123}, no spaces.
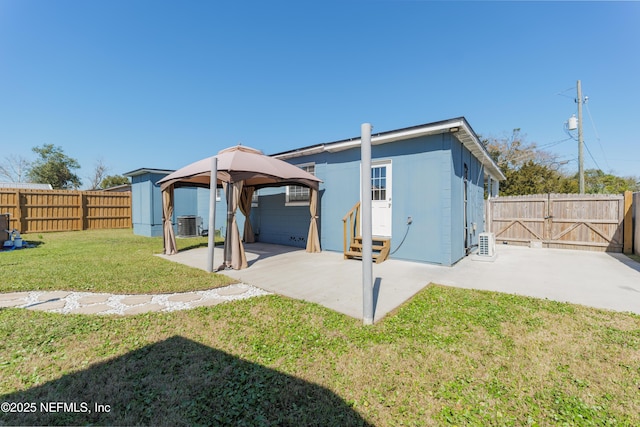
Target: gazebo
{"x":240,"y":171}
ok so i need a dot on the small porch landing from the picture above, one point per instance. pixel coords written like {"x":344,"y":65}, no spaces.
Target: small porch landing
{"x":352,"y":243}
{"x":380,"y":248}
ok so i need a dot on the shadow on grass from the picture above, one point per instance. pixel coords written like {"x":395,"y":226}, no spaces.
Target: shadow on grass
{"x":196,"y":245}
{"x":31,"y":244}
{"x":180,"y":382}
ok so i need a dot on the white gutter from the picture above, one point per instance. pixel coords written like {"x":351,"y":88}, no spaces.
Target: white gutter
{"x":300,"y":153}
{"x":391,"y":137}
{"x":459,"y":128}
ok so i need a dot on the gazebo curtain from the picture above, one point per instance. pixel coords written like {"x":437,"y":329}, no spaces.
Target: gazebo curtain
{"x":234,"y":255}
{"x":240,"y":197}
{"x":313,"y":239}
{"x":167,"y":226}
{"x":245,"y":208}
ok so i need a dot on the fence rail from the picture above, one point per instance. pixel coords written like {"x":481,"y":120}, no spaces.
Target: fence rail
{"x":65,"y":210}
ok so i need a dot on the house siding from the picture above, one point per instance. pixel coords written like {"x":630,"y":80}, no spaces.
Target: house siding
{"x":460,"y":157}
{"x":202,"y":210}
{"x":276,"y":223}
{"x":147,"y":205}
{"x":421,"y":187}
{"x":427,"y":178}
{"x":185,"y":202}
{"x":199,"y":205}
{"x":446,"y":169}
{"x":146,"y":199}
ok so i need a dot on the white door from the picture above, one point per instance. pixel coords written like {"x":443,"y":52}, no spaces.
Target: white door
{"x":381,"y":198}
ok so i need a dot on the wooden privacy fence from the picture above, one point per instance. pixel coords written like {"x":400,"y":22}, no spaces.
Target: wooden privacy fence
{"x":64,"y":210}
{"x":573,"y":221}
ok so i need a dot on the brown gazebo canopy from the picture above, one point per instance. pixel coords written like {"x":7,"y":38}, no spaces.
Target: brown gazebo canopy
{"x":240,"y":170}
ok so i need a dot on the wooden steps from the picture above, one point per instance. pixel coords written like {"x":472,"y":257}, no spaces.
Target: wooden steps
{"x":380,"y":248}
{"x":352,"y":244}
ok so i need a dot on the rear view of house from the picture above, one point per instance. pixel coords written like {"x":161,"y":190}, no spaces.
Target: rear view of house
{"x":428,"y":186}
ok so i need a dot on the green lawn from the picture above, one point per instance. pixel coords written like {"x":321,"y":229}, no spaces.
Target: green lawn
{"x":447,"y":357}
{"x":114,"y":261}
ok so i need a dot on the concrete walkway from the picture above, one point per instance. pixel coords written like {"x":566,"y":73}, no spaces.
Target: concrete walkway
{"x":93,"y":303}
{"x":597,"y":279}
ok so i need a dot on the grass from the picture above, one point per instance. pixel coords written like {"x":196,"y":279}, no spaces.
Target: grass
{"x":447,"y":357}
{"x":113,"y":261}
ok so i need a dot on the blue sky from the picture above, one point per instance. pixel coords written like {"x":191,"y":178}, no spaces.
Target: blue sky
{"x":161,"y":84}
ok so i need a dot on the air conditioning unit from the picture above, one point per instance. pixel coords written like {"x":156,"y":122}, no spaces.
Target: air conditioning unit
{"x":189,"y":226}
{"x":486,"y":244}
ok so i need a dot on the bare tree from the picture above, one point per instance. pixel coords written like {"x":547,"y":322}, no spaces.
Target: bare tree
{"x":514,"y":151}
{"x":14,"y":168}
{"x":99,"y":173}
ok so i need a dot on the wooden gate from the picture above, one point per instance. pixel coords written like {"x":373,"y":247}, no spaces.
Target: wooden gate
{"x":572,"y":221}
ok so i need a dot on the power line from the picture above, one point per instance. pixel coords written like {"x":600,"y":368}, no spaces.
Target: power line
{"x":567,"y":90}
{"x":554,"y":143}
{"x":591,"y":155}
{"x":593,"y":124}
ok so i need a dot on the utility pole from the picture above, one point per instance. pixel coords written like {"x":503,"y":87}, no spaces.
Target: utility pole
{"x":580,"y":140}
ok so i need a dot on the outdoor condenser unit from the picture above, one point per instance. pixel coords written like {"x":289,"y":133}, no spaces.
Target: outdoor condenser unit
{"x":189,"y":226}
{"x":486,"y":244}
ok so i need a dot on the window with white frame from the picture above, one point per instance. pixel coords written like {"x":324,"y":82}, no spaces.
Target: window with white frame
{"x":297,"y":194}
{"x":379,"y":182}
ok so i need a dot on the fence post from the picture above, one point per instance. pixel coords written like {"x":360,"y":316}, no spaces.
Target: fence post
{"x":19,"y":224}
{"x":487,"y":216}
{"x":547,"y":227}
{"x":628,"y":223}
{"x":636,"y":226}
{"x":84,"y":211}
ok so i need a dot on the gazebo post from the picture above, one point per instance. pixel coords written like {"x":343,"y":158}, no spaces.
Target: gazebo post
{"x":213,"y":186}
{"x":227,"y":239}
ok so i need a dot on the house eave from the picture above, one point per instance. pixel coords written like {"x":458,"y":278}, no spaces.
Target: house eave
{"x":458,"y":127}
{"x":470,"y":140}
{"x":142,"y":171}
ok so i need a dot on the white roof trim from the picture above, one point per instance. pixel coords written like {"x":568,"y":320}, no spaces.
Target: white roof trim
{"x":464,"y":134}
{"x":142,"y":171}
{"x":470,"y":140}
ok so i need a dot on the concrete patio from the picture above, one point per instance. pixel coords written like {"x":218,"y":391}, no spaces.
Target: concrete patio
{"x":602,"y":280}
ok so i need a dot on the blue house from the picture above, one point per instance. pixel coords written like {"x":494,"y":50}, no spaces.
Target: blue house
{"x":146,"y":200}
{"x":428,"y":190}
